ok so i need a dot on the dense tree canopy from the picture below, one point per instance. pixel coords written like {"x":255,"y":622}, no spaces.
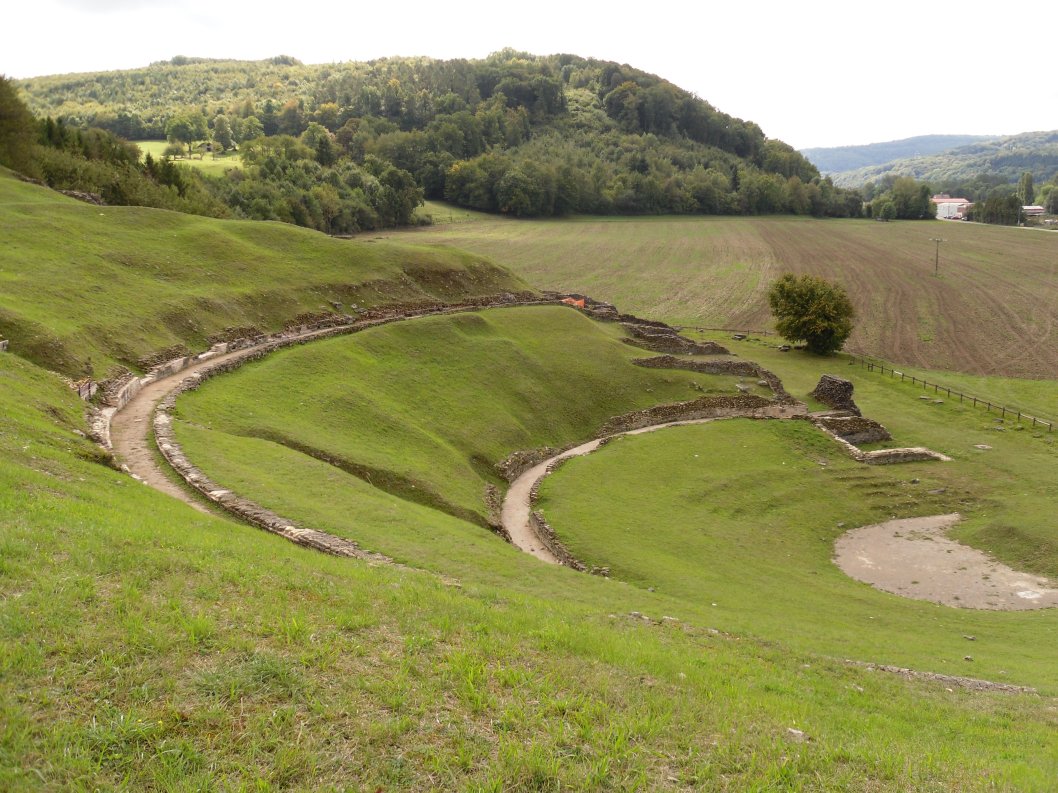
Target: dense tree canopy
{"x":17,"y":130}
{"x":812,"y":310}
{"x":514,"y":133}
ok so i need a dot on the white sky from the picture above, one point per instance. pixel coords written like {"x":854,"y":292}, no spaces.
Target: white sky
{"x":810,"y":73}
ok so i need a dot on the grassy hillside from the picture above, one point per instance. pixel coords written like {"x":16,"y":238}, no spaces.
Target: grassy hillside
{"x":147,"y":646}
{"x":989,"y":312}
{"x":750,"y":486}
{"x":420,"y":411}
{"x":753,"y":484}
{"x":83,"y":287}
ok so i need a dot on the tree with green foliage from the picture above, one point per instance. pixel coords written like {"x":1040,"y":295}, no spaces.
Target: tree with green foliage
{"x":222,"y":133}
{"x":1026,"y":192}
{"x":186,"y":128}
{"x":249,"y":128}
{"x":1050,"y":200}
{"x":17,"y":130}
{"x":812,"y":310}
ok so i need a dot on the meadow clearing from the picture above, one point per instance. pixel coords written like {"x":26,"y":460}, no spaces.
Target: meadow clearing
{"x":208,"y":163}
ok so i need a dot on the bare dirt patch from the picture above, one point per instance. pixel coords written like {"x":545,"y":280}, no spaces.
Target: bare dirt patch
{"x":915,"y":558}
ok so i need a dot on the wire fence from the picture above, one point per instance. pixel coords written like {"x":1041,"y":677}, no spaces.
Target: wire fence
{"x":951,"y":393}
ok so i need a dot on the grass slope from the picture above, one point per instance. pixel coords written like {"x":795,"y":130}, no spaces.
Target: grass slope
{"x":989,"y":312}
{"x":425,"y":428}
{"x":424,"y":409}
{"x":145,"y":646}
{"x":83,"y":286}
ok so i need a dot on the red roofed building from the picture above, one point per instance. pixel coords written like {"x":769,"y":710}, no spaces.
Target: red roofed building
{"x":949,"y":208}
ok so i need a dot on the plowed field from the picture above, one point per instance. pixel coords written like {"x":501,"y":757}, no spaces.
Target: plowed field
{"x":991,"y":310}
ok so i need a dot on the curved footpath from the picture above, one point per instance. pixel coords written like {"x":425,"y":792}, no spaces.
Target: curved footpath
{"x":130,"y":425}
{"x":516,"y":515}
{"x":126,"y":430}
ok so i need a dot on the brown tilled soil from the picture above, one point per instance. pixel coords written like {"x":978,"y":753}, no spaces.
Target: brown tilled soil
{"x":915,"y":558}
{"x":992,"y":309}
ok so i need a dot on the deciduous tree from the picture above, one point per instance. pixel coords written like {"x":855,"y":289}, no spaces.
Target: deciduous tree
{"x":812,"y":310}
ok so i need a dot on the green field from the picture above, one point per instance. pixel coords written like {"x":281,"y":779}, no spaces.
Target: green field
{"x":991,"y":310}
{"x":147,"y":646}
{"x":210,"y":164}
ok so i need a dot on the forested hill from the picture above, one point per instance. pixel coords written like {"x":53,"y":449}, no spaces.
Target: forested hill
{"x":991,"y":162}
{"x":836,"y":159}
{"x":515,"y":133}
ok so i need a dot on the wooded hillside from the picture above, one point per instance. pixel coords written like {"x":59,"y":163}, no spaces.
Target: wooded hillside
{"x":515,"y":133}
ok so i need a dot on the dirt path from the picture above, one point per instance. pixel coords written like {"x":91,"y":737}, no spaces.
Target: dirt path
{"x":130,"y":427}
{"x":517,"y":504}
{"x":915,"y":558}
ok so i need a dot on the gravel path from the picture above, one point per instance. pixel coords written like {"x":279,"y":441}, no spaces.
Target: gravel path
{"x":915,"y":558}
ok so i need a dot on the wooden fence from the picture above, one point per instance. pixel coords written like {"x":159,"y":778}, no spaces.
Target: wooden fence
{"x":726,"y":330}
{"x":976,"y":401}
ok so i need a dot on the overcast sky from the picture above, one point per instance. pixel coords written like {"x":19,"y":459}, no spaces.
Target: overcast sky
{"x":809,"y":73}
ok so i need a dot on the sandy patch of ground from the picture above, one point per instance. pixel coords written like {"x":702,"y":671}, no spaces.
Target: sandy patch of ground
{"x":915,"y":558}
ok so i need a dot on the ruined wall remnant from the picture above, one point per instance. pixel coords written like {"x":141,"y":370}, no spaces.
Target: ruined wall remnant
{"x":857,"y":430}
{"x":836,"y":392}
{"x":662,"y":338}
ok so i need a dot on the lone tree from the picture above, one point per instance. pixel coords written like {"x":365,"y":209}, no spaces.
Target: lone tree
{"x":811,"y":310}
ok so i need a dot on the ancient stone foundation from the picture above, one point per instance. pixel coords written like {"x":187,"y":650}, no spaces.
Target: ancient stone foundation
{"x":728,"y":367}
{"x":667,"y":340}
{"x":707,"y":407}
{"x":857,"y":430}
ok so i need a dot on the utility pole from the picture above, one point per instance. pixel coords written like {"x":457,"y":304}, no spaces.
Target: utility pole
{"x":936,"y":258}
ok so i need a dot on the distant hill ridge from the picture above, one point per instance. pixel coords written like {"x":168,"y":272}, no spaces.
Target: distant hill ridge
{"x":999,"y":160}
{"x":835,"y":159}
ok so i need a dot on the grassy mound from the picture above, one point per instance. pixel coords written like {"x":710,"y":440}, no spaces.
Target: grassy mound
{"x":84,"y":286}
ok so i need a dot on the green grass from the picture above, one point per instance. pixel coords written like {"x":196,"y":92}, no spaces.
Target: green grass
{"x":146,"y":646}
{"x":83,"y":287}
{"x":422,"y":410}
{"x":207,"y":163}
{"x":743,"y":515}
{"x":989,"y":312}
{"x":424,"y":429}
